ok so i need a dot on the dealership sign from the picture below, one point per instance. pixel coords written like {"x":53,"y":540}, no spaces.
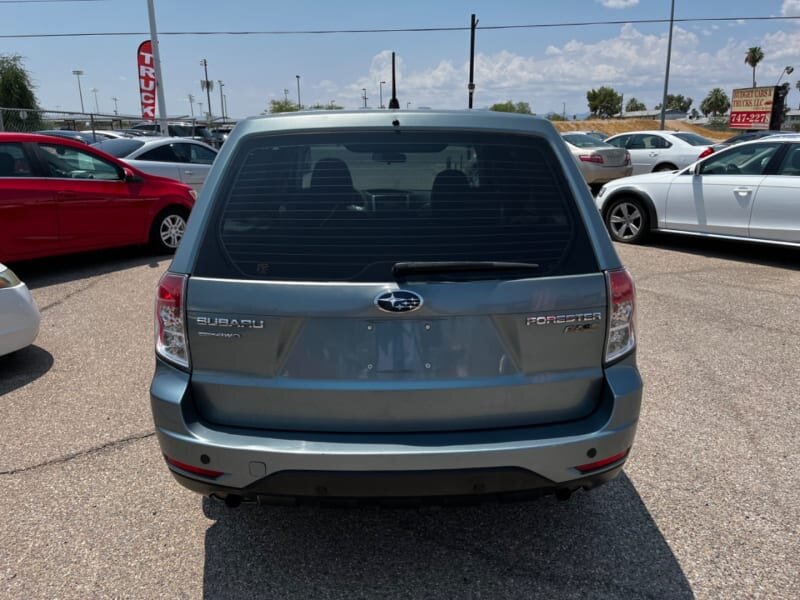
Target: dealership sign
{"x":751,"y":108}
{"x":147,"y":80}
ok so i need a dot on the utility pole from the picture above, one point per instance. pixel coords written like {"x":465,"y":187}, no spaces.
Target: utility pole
{"x":299,"y":104}
{"x":162,"y":103}
{"x":471,"y":84}
{"x":364,"y":97}
{"x":200,"y":105}
{"x":78,"y":73}
{"x":669,"y":56}
{"x":221,"y":99}
{"x":96,"y":104}
{"x":115,"y":99}
{"x":207,"y":86}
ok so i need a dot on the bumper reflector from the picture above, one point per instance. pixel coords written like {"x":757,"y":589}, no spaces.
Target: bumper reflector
{"x":209,"y":473}
{"x":599,"y":464}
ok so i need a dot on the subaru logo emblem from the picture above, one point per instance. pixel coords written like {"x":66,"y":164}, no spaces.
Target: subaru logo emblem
{"x":398,"y":301}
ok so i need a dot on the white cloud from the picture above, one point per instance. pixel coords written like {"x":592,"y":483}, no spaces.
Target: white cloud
{"x":618,"y":3}
{"x":790,"y":8}
{"x":632,"y":62}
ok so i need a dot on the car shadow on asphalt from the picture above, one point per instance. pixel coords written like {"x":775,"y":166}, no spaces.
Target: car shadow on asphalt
{"x":20,"y":368}
{"x":784,"y":257}
{"x":53,"y":270}
{"x":601,"y":544}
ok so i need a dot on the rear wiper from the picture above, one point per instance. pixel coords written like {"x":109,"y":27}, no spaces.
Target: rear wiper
{"x":458,"y":266}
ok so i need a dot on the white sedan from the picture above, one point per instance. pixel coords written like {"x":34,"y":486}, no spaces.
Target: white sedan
{"x":183,"y":159}
{"x":750,"y":191}
{"x":662,"y":150}
{"x":19,"y":316}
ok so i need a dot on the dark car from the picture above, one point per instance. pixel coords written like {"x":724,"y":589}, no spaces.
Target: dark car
{"x":59,"y":196}
{"x":395,"y":304}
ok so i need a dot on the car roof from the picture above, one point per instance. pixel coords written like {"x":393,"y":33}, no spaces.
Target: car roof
{"x":41,"y":137}
{"x":158,"y":140}
{"x":389,"y":119}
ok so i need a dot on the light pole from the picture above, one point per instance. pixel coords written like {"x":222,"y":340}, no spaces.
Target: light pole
{"x":225,"y":106}
{"x":115,"y":99}
{"x":191,"y":105}
{"x":299,"y":105}
{"x":380,"y":91}
{"x":221,"y":98}
{"x":787,"y":70}
{"x":96,"y":105}
{"x":207,"y":86}
{"x":669,"y":57}
{"x":364,"y":96}
{"x":200,"y":106}
{"x":78,"y":73}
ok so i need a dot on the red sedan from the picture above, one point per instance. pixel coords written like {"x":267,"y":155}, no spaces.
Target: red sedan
{"x":58,"y":196}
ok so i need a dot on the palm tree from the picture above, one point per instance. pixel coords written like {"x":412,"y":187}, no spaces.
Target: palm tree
{"x":754,"y":56}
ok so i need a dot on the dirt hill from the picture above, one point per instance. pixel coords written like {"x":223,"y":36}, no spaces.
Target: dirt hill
{"x":614,"y":126}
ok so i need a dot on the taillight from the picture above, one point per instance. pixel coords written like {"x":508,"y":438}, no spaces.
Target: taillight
{"x":627,"y":158}
{"x":592,"y":158}
{"x":620,"y":335}
{"x":171,"y":343}
{"x":706,"y":152}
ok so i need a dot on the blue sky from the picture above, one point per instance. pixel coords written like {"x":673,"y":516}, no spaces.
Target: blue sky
{"x":550,"y":68}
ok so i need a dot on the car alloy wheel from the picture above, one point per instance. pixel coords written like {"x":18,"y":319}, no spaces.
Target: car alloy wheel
{"x":171,"y":228}
{"x":626,"y":221}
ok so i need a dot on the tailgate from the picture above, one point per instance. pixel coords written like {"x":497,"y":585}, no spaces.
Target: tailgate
{"x":324,"y":357}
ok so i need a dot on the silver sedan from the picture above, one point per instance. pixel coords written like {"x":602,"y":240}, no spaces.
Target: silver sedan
{"x":186,"y":160}
{"x":599,"y":162}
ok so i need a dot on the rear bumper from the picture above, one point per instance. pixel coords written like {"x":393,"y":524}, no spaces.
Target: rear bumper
{"x":593,"y":173}
{"x":269,"y":464}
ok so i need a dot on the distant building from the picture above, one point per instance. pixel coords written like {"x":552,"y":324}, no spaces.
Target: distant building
{"x":791,"y":120}
{"x":653,"y":114}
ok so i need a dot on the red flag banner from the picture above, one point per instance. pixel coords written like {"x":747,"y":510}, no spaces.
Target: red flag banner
{"x":147,"y":80}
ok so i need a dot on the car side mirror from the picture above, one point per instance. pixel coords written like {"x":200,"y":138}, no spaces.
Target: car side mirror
{"x":132,"y":177}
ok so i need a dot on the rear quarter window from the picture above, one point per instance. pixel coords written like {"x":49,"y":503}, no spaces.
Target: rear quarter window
{"x":347,"y":206}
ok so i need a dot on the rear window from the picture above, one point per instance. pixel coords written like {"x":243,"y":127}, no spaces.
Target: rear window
{"x":349,"y":206}
{"x":119,"y":147}
{"x":693,"y":139}
{"x":582,"y":140}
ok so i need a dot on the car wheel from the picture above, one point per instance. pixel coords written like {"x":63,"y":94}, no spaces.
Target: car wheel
{"x":665,"y":167}
{"x":168,"y":229}
{"x":627,"y":221}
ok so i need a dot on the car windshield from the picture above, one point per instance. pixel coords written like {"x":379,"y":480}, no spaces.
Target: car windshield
{"x":693,"y":138}
{"x":582,"y":140}
{"x":350,"y":206}
{"x":120,"y":147}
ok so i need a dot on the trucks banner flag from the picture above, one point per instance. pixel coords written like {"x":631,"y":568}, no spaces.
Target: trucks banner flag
{"x":147,"y":80}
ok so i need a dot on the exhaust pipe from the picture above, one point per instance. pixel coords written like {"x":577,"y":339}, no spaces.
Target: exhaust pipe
{"x":233,"y":501}
{"x":563,"y":494}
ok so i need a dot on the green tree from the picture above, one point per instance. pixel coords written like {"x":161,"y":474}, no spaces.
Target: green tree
{"x":634,"y":105}
{"x":509,"y":106}
{"x":604,"y":102}
{"x":16,"y":91}
{"x":754,"y":56}
{"x":677,"y":103}
{"x":554,"y":116}
{"x":694,"y":114}
{"x":279,"y":106}
{"x":716,"y":103}
{"x":328,"y":106}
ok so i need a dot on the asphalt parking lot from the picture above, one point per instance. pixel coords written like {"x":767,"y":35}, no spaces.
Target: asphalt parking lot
{"x":707,"y":506}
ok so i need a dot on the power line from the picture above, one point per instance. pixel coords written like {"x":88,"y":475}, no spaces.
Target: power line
{"x":392,"y":30}
{"x":47,"y":1}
